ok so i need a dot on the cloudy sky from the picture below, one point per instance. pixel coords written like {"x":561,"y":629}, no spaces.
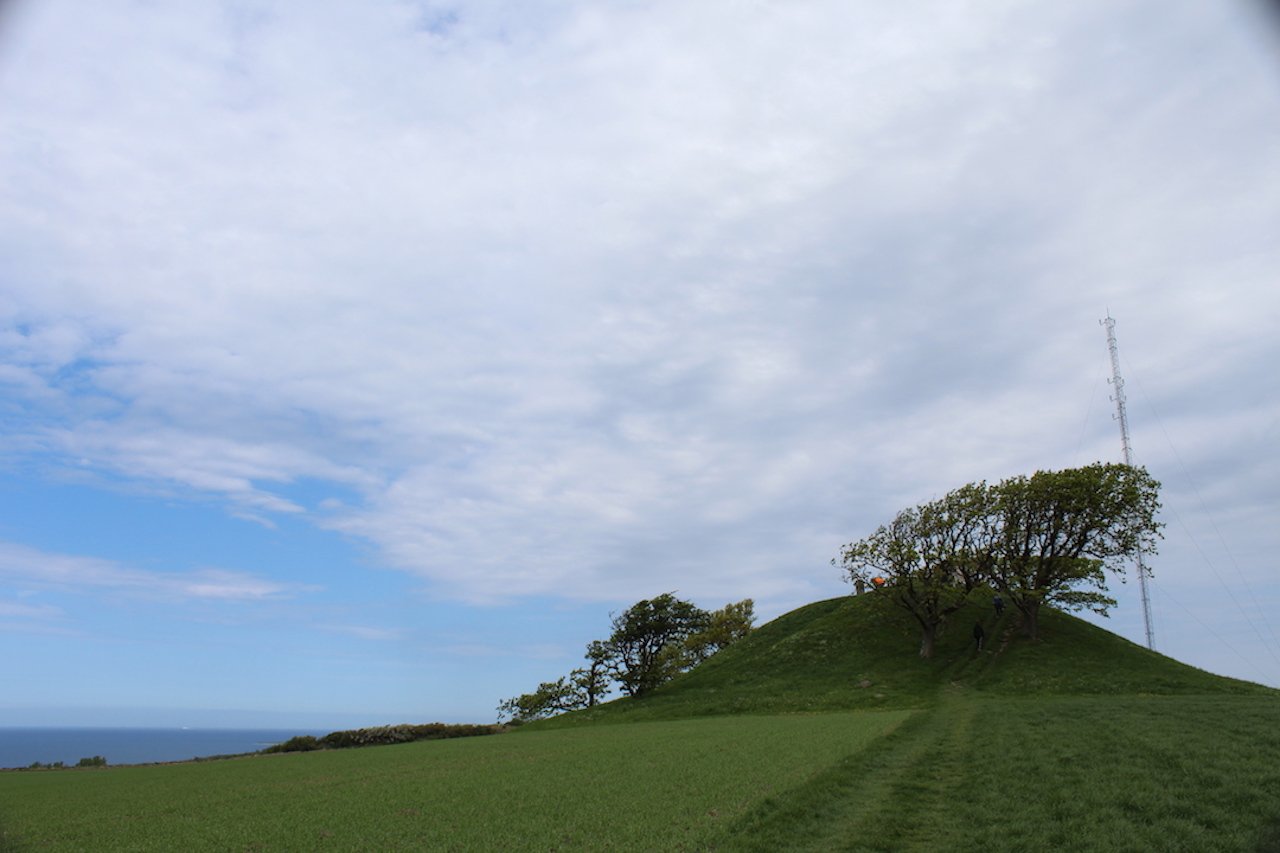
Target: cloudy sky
{"x":358,"y":359}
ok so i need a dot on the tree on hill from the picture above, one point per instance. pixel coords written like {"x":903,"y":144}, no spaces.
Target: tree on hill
{"x":648,"y":641}
{"x":652,"y":641}
{"x":582,"y":688}
{"x":1043,"y":539}
{"x":551,"y":697}
{"x":593,"y":681}
{"x":930,"y":557}
{"x":1060,"y":531}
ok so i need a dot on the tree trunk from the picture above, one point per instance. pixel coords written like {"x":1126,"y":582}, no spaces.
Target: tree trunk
{"x":928,"y":634}
{"x":1031,"y":620}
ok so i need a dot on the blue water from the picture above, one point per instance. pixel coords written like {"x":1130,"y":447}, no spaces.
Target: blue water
{"x":20,"y":747}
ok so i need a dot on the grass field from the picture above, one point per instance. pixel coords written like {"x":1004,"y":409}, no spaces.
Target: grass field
{"x":1165,"y":773}
{"x":822,"y":731}
{"x":656,"y":786}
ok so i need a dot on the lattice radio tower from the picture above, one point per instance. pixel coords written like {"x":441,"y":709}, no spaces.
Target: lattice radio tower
{"x":1123,"y":417}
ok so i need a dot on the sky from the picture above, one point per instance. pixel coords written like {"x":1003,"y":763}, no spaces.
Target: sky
{"x":358,"y":360}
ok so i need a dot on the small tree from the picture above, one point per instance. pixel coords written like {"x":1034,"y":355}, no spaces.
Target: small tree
{"x":593,"y":681}
{"x":1061,"y":531}
{"x":648,"y":639}
{"x":551,"y":697}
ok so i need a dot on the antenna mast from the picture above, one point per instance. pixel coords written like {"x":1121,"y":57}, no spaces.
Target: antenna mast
{"x":1122,"y":416}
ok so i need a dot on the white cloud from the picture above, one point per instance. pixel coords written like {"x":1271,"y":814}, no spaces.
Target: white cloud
{"x":601,"y":300}
{"x":69,"y":573}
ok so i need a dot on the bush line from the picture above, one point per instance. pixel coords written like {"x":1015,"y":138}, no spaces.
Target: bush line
{"x":381,"y":735}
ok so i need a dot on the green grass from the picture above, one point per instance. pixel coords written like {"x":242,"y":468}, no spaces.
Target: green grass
{"x":658,"y":786}
{"x":822,"y":731}
{"x":1193,"y":773}
{"x":816,"y":657}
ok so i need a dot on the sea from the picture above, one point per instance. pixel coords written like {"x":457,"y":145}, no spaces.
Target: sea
{"x":21,"y":747}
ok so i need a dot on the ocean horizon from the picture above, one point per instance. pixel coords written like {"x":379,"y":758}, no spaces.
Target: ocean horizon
{"x":21,"y":746}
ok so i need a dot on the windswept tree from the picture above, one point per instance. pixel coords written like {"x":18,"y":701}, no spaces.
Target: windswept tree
{"x":582,"y":688}
{"x":1045,"y":539}
{"x":1061,"y":531}
{"x":652,"y":641}
{"x":930,"y":557}
{"x":551,"y":697}
{"x":593,"y":681}
{"x":647,"y":640}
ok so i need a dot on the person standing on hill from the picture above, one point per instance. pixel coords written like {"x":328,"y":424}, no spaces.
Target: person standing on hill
{"x":999,"y":605}
{"x":978,"y":634}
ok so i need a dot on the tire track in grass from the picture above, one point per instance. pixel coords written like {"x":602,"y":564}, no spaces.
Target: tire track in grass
{"x":860,"y":803}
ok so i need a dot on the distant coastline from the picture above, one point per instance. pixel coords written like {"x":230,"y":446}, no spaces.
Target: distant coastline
{"x":22,"y":746}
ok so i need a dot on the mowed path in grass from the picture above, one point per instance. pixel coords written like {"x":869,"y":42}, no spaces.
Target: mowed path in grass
{"x":1098,"y":773}
{"x":643,"y":786}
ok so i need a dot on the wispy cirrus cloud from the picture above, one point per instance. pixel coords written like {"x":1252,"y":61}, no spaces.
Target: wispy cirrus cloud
{"x":75,"y":574}
{"x":367,"y":632}
{"x":24,"y":611}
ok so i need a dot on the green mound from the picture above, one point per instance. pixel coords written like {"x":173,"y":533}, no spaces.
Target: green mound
{"x":1076,"y":657}
{"x":861,"y":652}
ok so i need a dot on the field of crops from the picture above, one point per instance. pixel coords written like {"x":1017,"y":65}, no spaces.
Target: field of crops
{"x":659,"y":786}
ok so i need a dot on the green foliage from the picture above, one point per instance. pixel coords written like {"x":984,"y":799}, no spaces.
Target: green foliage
{"x":1060,"y":530}
{"x":551,"y":697}
{"x":593,"y":681}
{"x":648,"y":641}
{"x":931,"y":557}
{"x":1044,"y":539}
{"x":95,"y":761}
{"x":380,"y":736}
{"x":652,"y":642}
{"x":583,"y":688}
{"x":725,"y":626}
{"x":301,"y":743}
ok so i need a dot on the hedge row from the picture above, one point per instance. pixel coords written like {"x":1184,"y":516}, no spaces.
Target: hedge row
{"x":380,"y":735}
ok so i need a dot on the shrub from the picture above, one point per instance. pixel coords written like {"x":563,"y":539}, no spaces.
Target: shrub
{"x":301,"y":743}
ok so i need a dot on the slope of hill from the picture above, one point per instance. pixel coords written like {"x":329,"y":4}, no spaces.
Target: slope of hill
{"x":1114,"y":746}
{"x":861,"y":653}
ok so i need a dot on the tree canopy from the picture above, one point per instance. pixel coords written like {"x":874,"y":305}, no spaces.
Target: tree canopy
{"x":1061,"y":531}
{"x":930,"y":557}
{"x":648,"y":641}
{"x":652,"y":641}
{"x":1045,"y":539}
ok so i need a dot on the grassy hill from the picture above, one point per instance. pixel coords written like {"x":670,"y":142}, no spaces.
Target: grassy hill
{"x":860,"y":652}
{"x":822,"y":731}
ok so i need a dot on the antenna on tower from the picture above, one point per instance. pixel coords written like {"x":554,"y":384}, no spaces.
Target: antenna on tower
{"x":1123,"y":417}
